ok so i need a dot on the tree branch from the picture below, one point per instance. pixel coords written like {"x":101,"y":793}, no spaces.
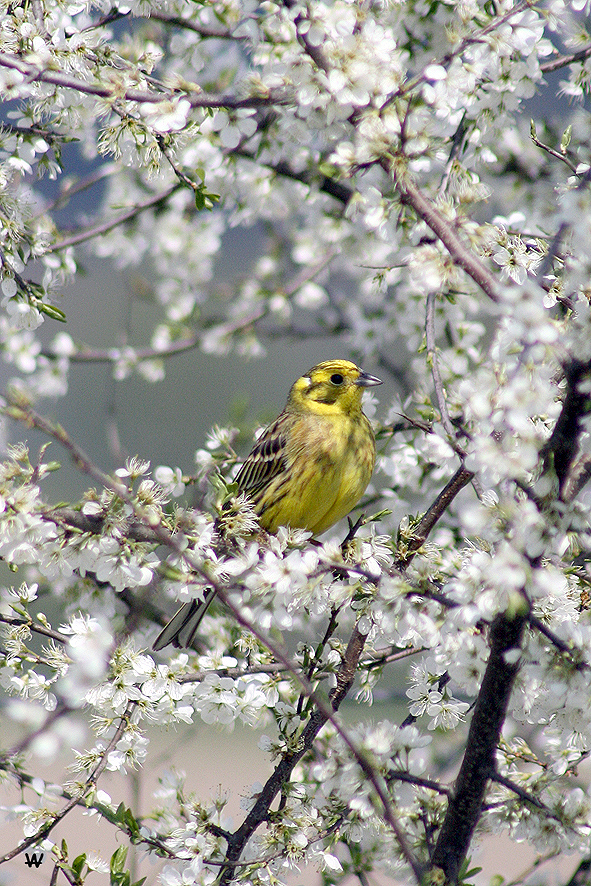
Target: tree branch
{"x":282,"y":773}
{"x":560,"y":450}
{"x":524,"y":795}
{"x":461,"y":254}
{"x":205,"y":31}
{"x":408,"y":778}
{"x":34,"y":626}
{"x":92,"y":779}
{"x":564,"y":60}
{"x":479,"y":763}
{"x":460,"y":479}
{"x":436,"y":375}
{"x":197,"y":100}
{"x":108,"y":225}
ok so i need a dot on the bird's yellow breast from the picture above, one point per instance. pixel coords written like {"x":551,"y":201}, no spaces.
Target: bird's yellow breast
{"x":329,"y":460}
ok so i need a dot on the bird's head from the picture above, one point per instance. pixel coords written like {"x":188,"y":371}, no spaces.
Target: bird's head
{"x":335,"y":386}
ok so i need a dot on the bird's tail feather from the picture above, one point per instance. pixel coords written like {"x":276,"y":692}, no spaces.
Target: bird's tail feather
{"x":182,"y":627}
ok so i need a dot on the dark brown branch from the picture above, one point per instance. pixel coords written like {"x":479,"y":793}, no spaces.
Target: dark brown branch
{"x":561,"y":449}
{"x":556,"y":641}
{"x":524,"y":795}
{"x":479,"y":763}
{"x":460,"y":479}
{"x":314,"y":51}
{"x":284,"y":769}
{"x":282,"y":773}
{"x":327,"y":185}
{"x":582,"y":874}
{"x":408,"y":778}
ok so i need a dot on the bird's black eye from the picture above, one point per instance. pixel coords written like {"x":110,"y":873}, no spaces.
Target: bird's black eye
{"x":337,"y":379}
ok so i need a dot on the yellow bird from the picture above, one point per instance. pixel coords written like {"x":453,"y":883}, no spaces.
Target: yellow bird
{"x":307,"y":470}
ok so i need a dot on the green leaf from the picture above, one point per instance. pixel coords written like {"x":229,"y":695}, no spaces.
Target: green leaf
{"x":466,"y":871}
{"x":131,"y":823}
{"x":52,"y":311}
{"x":565,"y":140}
{"x":375,"y":518}
{"x":118,"y":858}
{"x":78,"y":864}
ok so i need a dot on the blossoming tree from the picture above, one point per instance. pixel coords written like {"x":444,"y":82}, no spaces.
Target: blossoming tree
{"x":408,"y":203}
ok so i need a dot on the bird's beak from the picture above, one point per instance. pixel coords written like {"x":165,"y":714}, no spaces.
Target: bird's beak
{"x":366,"y":380}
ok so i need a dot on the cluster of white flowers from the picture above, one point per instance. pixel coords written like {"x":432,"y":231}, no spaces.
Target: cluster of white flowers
{"x":387,"y":152}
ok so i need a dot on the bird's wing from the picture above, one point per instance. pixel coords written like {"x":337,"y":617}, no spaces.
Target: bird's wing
{"x":267,"y":458}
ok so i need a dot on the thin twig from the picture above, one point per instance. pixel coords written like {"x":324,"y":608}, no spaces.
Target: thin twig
{"x":524,"y":795}
{"x":92,"y":779}
{"x":108,"y":225}
{"x":71,"y":188}
{"x":111,"y":355}
{"x":34,"y":626}
{"x":546,"y":266}
{"x":542,"y":859}
{"x":461,"y":254}
{"x":196,"y":99}
{"x":26,"y":742}
{"x":556,"y":154}
{"x":205,"y":31}
{"x":564,"y":60}
{"x":436,"y":375}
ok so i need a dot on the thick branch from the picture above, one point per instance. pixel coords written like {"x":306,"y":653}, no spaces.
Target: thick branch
{"x":478,"y":765}
{"x":320,"y":716}
{"x":561,"y":449}
{"x":284,"y":769}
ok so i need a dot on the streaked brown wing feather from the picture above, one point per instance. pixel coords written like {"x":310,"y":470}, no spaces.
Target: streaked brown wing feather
{"x":267,"y":458}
